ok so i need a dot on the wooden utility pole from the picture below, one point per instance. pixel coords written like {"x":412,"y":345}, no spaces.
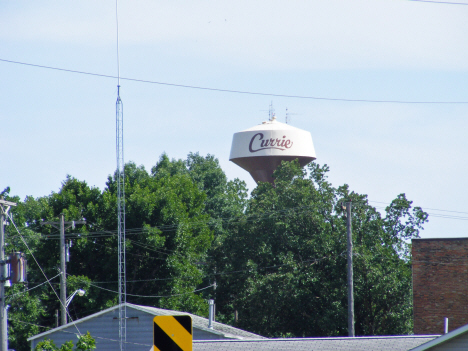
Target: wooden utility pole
{"x":4,"y":208}
{"x":63,"y":267}
{"x":350,"y":270}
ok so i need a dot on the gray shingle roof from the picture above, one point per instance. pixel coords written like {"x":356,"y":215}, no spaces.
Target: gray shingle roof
{"x":201,"y":323}
{"x":377,"y":343}
{"x":223,"y":330}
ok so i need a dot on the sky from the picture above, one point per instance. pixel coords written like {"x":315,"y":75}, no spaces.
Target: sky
{"x":56,"y":123}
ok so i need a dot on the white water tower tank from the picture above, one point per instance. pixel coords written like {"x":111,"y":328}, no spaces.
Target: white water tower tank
{"x":260,"y":149}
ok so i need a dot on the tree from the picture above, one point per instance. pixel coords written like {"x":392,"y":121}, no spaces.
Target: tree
{"x":223,"y":198}
{"x":46,"y":345}
{"x":76,"y":200}
{"x":168,"y":235}
{"x":168,"y":207}
{"x":288,"y":262}
{"x":85,"y":343}
{"x":25,"y":309}
{"x":278,"y":258}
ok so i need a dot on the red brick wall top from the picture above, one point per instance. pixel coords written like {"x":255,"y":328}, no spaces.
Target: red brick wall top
{"x":440,"y":284}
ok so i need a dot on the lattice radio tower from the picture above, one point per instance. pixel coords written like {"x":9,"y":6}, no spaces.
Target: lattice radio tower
{"x":120,"y":174}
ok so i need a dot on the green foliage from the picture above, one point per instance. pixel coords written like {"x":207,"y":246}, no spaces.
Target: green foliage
{"x":67,"y":346}
{"x":46,"y":345}
{"x":24,"y":307}
{"x":289,"y":255}
{"x":85,"y":342}
{"x":278,"y":257}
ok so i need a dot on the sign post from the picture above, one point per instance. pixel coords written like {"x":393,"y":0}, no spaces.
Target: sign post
{"x":172,"y":333}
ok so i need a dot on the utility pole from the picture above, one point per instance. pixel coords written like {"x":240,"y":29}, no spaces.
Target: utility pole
{"x":350,"y":270}
{"x":63,"y":268}
{"x":4,"y":208}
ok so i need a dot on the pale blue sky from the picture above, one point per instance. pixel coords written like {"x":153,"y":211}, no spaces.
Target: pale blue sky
{"x":56,"y":123}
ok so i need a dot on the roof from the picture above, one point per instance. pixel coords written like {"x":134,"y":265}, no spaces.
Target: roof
{"x":271,"y":125}
{"x":202,"y":323}
{"x":374,"y":343}
{"x":443,"y":338}
{"x":197,"y":322}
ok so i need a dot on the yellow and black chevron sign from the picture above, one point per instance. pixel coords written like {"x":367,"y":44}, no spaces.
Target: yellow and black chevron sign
{"x":172,"y":333}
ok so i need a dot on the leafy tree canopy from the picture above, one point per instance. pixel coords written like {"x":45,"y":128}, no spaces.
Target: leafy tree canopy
{"x":85,"y":343}
{"x":287,"y":256}
{"x":275,"y":262}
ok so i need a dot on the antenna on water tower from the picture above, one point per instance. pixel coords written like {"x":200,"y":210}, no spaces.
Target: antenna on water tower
{"x":288,"y":116}
{"x":120,"y":202}
{"x":271,"y":112}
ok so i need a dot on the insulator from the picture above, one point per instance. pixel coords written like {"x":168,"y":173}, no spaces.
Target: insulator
{"x":67,"y":253}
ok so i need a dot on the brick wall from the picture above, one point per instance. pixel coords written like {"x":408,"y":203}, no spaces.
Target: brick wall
{"x":440,"y":284}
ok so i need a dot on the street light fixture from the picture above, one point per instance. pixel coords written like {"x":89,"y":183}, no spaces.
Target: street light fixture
{"x":80,"y":292}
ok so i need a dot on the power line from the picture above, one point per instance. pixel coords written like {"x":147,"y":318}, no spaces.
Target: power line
{"x":132,"y":254}
{"x":235,"y":91}
{"x":427,"y":208}
{"x":265,"y":215}
{"x":442,"y":2}
{"x":140,"y":231}
{"x":34,"y":287}
{"x":116,"y":292}
{"x":312,"y":261}
{"x":435,"y":215}
{"x":228,"y":220}
{"x":250,"y":270}
{"x":42,"y":271}
{"x":172,"y":227}
{"x":136,"y":281}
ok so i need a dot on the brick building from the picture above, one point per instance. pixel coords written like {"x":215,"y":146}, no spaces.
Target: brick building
{"x":440,"y":284}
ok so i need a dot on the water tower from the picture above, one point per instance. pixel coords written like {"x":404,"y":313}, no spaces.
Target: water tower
{"x":260,"y":149}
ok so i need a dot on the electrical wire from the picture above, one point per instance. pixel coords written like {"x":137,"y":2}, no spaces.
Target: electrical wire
{"x":24,"y":292}
{"x":154,"y":296}
{"x":172,"y":227}
{"x":42,"y":271}
{"x":426,"y":208}
{"x":441,"y":2}
{"x":136,"y":231}
{"x":436,"y":215}
{"x":139,"y":231}
{"x":257,"y":217}
{"x":136,"y":281}
{"x":36,"y":325}
{"x":313,"y":261}
{"x":131,"y":254}
{"x":234,"y":91}
{"x":233,"y":220}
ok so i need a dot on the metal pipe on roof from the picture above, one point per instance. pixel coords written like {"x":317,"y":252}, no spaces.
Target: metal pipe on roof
{"x":210,"y":313}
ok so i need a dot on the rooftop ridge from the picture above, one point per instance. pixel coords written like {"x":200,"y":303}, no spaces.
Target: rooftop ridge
{"x":328,"y":338}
